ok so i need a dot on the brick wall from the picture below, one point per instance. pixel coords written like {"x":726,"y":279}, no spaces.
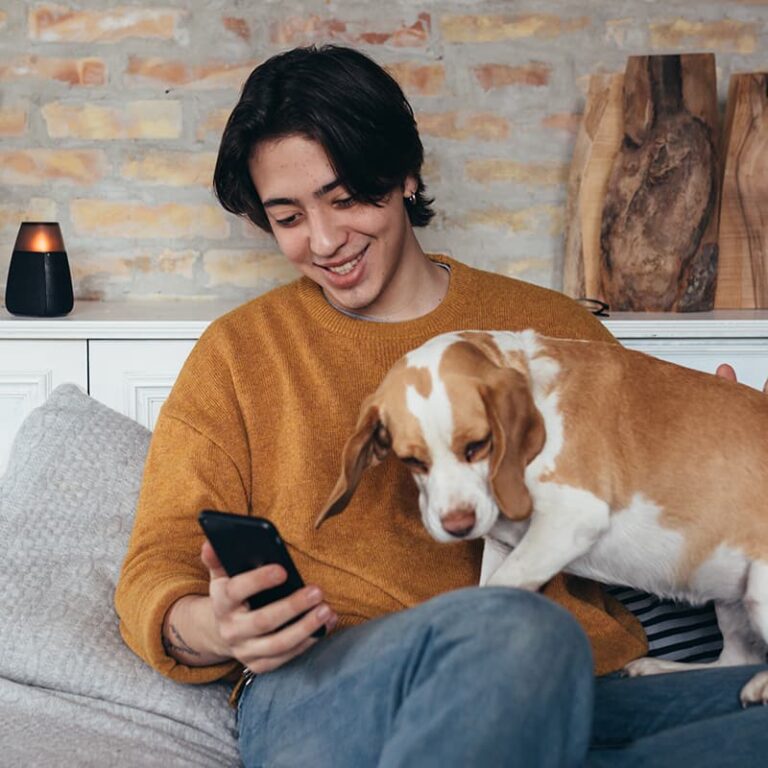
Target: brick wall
{"x":110,"y":117}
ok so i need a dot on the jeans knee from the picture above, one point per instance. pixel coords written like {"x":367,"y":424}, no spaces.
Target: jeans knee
{"x":523,"y":626}
{"x":526,"y":655}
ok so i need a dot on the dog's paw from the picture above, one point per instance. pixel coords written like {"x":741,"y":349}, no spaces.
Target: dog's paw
{"x":648,"y":666}
{"x":755,"y":691}
{"x":511,"y":578}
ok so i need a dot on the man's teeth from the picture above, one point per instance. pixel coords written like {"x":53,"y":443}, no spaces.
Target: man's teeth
{"x":345,"y":269}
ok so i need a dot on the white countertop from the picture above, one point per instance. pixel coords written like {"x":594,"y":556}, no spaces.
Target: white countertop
{"x":721,"y":323}
{"x":120,"y":319}
{"x":180,"y":319}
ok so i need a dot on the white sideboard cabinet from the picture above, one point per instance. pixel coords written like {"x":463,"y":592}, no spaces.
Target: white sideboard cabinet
{"x":128,"y":354}
{"x":125,"y":354}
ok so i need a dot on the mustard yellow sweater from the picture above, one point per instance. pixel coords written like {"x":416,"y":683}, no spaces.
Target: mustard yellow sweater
{"x":255,"y":424}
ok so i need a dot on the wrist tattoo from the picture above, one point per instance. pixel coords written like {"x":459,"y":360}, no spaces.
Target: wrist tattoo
{"x":177,"y":644}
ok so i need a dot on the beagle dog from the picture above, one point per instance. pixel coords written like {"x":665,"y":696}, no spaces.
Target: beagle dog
{"x":588,"y":458}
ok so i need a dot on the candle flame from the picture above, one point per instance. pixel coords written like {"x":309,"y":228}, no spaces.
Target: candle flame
{"x":41,"y":242}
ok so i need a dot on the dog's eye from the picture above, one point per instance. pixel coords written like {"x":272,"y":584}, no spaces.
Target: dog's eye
{"x":417,"y":465}
{"x":381,"y":437}
{"x":473,"y":450}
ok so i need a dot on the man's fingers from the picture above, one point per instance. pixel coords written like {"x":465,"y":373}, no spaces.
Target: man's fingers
{"x":275,"y":615}
{"x":211,"y":561}
{"x":726,"y":371}
{"x":267,"y":664}
{"x":245,"y":584}
{"x":286,"y":642}
{"x":248,"y":583}
{"x":250,"y":635}
{"x":231,"y":593}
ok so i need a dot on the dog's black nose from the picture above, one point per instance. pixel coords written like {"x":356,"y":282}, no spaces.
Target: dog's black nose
{"x":460,"y":522}
{"x":462,"y":533}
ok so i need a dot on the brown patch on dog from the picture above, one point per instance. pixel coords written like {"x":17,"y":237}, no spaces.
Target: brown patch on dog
{"x":692,"y":443}
{"x":485,"y":342}
{"x":489,"y":397}
{"x":402,"y":424}
{"x":464,"y":366}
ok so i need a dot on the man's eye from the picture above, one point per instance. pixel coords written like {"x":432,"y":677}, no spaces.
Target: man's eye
{"x":415,"y":464}
{"x":344,"y":202}
{"x":475,"y":449}
{"x":288,"y":221}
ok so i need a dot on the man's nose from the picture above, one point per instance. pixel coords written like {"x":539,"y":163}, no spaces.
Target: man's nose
{"x":326,"y":236}
{"x":459,"y":522}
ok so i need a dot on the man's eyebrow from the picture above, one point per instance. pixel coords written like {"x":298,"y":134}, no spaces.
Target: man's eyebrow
{"x":324,"y":190}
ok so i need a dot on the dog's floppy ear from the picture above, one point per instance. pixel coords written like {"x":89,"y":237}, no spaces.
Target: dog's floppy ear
{"x":367,"y":446}
{"x":518,"y":434}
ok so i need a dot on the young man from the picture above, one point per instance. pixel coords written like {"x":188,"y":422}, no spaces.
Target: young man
{"x":322,"y":150}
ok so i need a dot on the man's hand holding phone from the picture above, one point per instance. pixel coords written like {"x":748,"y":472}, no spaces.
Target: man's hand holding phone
{"x":259,"y":638}
{"x":258,"y":610}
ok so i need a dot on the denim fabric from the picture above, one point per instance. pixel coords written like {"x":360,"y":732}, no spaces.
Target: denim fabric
{"x":473,"y":677}
{"x":679,"y":720}
{"x":487,"y":677}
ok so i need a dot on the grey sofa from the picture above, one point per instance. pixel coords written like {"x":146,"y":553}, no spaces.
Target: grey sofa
{"x":71,"y":693}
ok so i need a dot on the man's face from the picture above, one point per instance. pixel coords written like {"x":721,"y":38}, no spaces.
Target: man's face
{"x":358,"y":254}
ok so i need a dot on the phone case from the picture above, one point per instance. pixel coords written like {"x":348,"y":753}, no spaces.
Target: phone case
{"x":243,"y":543}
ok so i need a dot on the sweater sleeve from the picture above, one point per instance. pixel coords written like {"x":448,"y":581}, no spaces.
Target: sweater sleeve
{"x":191,"y":465}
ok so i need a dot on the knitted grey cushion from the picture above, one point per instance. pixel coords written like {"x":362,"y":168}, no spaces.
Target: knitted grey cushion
{"x":71,"y":692}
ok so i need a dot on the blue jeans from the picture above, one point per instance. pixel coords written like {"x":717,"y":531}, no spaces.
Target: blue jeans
{"x":488,"y":677}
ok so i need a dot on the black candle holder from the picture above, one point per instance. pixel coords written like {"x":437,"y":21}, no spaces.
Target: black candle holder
{"x":39,"y":281}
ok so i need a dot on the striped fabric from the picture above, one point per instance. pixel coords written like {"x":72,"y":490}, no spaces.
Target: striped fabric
{"x":676,"y":631}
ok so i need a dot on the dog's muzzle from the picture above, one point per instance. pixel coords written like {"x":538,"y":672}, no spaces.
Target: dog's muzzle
{"x":459,"y":523}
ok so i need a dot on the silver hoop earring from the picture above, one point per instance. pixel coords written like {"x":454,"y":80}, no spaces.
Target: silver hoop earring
{"x":412,"y":198}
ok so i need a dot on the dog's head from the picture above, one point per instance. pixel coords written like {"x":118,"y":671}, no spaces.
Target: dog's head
{"x":463,"y":422}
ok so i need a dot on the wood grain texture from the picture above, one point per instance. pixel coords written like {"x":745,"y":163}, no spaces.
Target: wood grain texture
{"x":597,"y":142}
{"x":658,"y":238}
{"x":743,"y":239}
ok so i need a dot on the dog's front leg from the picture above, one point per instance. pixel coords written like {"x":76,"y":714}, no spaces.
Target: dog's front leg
{"x":565,"y":523}
{"x":494,"y":554}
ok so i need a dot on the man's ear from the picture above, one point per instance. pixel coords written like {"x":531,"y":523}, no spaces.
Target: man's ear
{"x":410,"y":186}
{"x":367,"y":446}
{"x":517,"y":434}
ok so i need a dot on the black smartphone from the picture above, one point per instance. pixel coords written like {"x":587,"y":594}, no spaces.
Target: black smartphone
{"x":243,"y":543}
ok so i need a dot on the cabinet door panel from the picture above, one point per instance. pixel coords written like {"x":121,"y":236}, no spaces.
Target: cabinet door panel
{"x":29,"y":372}
{"x":749,"y":357}
{"x":135,"y":377}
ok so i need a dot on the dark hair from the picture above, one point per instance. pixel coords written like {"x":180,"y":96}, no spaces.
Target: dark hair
{"x":339,"y":98}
